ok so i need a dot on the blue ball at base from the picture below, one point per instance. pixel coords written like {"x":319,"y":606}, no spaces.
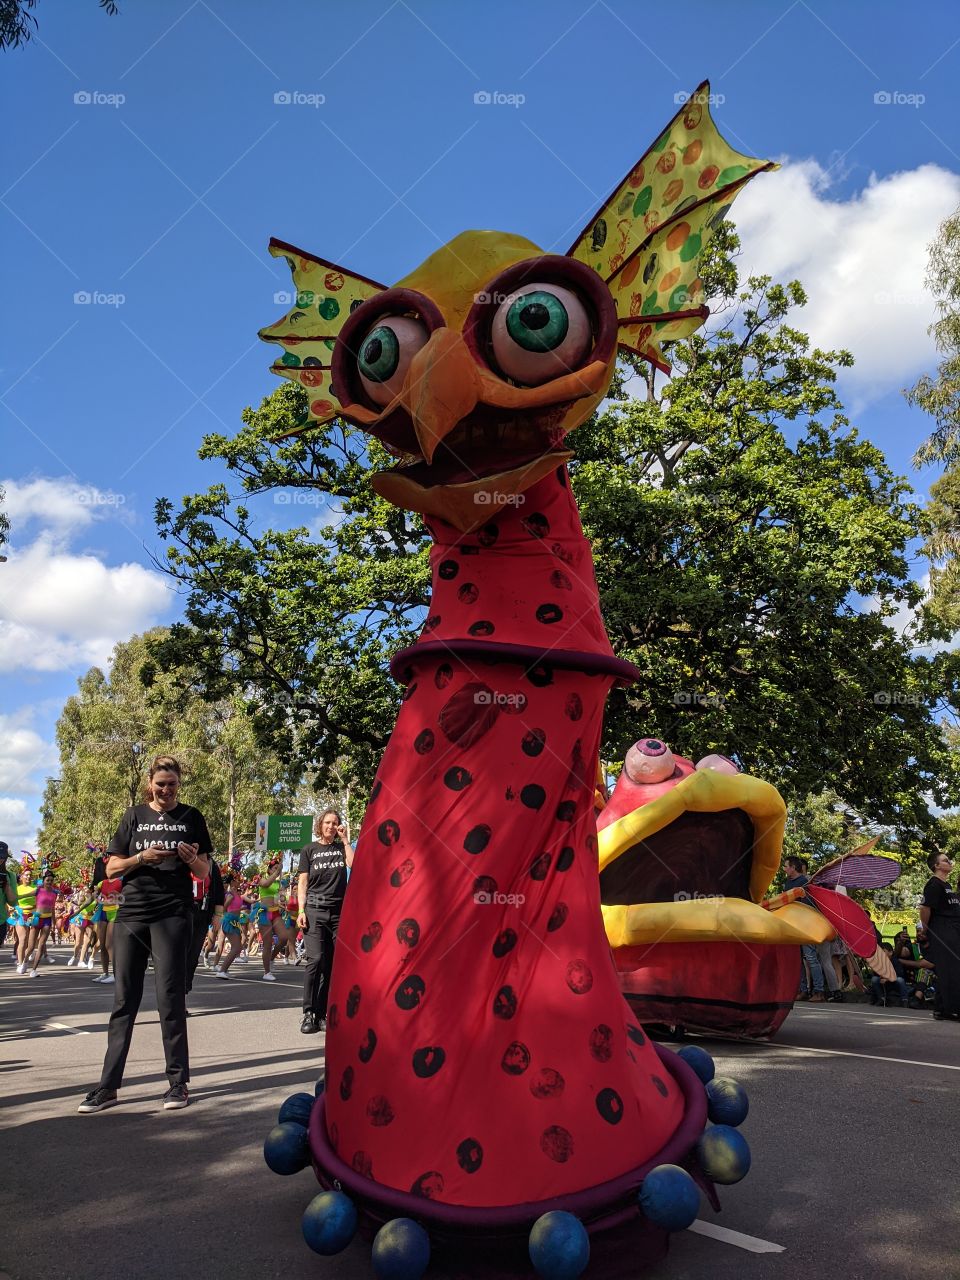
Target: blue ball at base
{"x":401,"y":1250}
{"x":329,"y":1222}
{"x":286,"y":1148}
{"x":699,"y":1061}
{"x":559,"y":1246}
{"x":669,"y":1197}
{"x":727,"y":1101}
{"x":723,"y":1154}
{"x":296,"y":1108}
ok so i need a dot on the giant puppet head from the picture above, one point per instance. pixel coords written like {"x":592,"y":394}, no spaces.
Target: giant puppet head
{"x":473,"y":369}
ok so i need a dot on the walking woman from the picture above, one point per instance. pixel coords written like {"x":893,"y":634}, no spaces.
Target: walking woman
{"x":321,"y":884}
{"x":41,"y":921}
{"x":940,"y":917}
{"x":156,"y":847}
{"x":265,"y":914}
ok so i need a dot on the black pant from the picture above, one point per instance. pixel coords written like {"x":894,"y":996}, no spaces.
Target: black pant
{"x":319,"y":942}
{"x":201,"y":923}
{"x":133,"y":944}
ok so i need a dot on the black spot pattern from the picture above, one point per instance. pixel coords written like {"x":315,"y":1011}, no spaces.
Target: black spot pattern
{"x":428,"y":1061}
{"x":566,"y":810}
{"x":549,"y":613}
{"x":483,"y":628}
{"x":505,"y":1003}
{"x":410,"y":992}
{"x":579,"y":977}
{"x":560,"y":581}
{"x":377,"y":788}
{"x":457,"y":778}
{"x":516,"y":1059}
{"x":540,"y":676}
{"x":547,"y":1083}
{"x":556,"y":1143}
{"x":565,"y":858}
{"x":469,"y":1155}
{"x":448,"y":569}
{"x":533,"y":742}
{"x":443,"y":675}
{"x":488,"y":535}
{"x":346,"y":1084}
{"x":379,"y":1112}
{"x":537,"y":525}
{"x":660,"y":1087}
{"x":573,"y":707}
{"x":469,"y":593}
{"x":428,"y":1185}
{"x":505,"y":942}
{"x":423,"y":743}
{"x":558,"y":918}
{"x":601,"y":1042}
{"x":353,"y":1001}
{"x":477,"y":839}
{"x":610,"y":1105}
{"x":636,"y":1035}
{"x":408,"y":932}
{"x":388,"y":832}
{"x":401,"y":874}
{"x":362,"y":1164}
{"x":533,"y":796}
{"x":372,"y":937}
{"x":540,"y":866}
{"x":369,"y":1043}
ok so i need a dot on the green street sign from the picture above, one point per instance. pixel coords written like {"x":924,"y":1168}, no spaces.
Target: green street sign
{"x":279,"y":832}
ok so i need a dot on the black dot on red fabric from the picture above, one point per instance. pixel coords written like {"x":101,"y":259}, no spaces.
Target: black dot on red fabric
{"x":477,"y":838}
{"x":504,"y":943}
{"x":533,"y":795}
{"x":353,"y":1001}
{"x":448,"y":569}
{"x":410,"y":992}
{"x":469,"y":593}
{"x":561,"y":474}
{"x":560,"y":581}
{"x":362,"y":1164}
{"x":660,"y":1087}
{"x":556,"y":1143}
{"x":505,"y":1003}
{"x":559,"y":917}
{"x":566,"y":810}
{"x":579,"y":977}
{"x":488,"y":535}
{"x":533,"y":742}
{"x":516,"y":1059}
{"x":509,"y":794}
{"x":573,"y":707}
{"x":565,"y":858}
{"x":432,"y":622}
{"x":483,"y":628}
{"x":540,"y":676}
{"x":549,"y":613}
{"x":467,"y":550}
{"x":428,"y":1061}
{"x":333,"y":1133}
{"x":547,"y":1083}
{"x":406,"y":675}
{"x":443,"y":675}
{"x":372,"y":936}
{"x":601,"y":1042}
{"x":346,"y":1084}
{"x":610,"y":1105}
{"x":333,"y":1017}
{"x":377,"y":788}
{"x":593,"y":844}
{"x":424,"y":741}
{"x":561,"y":552}
{"x":408,"y":932}
{"x":537,"y":525}
{"x":379,"y":1112}
{"x":428,"y":1185}
{"x":636,"y":1035}
{"x":484,"y":887}
{"x":469,"y":1155}
{"x":388,"y":832}
{"x":457,"y":778}
{"x":468,"y":714}
{"x":367,"y":1046}
{"x":540,"y":866}
{"x":408,"y":692}
{"x":400,"y":875}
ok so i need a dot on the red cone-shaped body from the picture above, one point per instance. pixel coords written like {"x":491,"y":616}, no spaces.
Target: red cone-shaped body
{"x":479,"y":1049}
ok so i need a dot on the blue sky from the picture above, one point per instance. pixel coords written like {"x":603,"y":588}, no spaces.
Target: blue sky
{"x":158,"y":195}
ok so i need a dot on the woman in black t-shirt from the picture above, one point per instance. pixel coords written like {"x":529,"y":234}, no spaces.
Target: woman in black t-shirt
{"x":940,"y":916}
{"x":156,"y":848}
{"x":321,"y":884}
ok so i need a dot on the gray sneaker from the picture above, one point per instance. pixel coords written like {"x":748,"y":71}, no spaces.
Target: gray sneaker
{"x":175,"y":1099}
{"x":97,"y":1100}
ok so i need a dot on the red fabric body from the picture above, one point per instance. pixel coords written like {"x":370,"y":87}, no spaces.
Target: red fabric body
{"x":850,"y":920}
{"x":479,"y":1049}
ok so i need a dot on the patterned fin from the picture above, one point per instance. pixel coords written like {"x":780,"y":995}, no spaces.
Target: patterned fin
{"x":647,"y":238}
{"x":325,"y":296}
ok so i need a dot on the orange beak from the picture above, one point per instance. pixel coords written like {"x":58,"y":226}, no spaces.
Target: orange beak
{"x":442,"y":386}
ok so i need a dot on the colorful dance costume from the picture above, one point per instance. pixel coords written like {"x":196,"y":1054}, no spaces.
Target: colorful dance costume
{"x":26,"y":907}
{"x":46,"y":900}
{"x":266,"y":910}
{"x":233,"y":914}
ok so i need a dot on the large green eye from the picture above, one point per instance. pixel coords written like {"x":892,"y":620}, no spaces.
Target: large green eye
{"x":380,"y":354}
{"x":537,"y":321}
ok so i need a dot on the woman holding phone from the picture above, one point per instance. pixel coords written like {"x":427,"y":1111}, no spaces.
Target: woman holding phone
{"x":321,"y":884}
{"x":156,"y":847}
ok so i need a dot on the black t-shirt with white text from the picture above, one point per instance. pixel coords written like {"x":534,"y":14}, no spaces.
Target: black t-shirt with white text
{"x":154,"y":892}
{"x":326,"y":869}
{"x":944,"y":904}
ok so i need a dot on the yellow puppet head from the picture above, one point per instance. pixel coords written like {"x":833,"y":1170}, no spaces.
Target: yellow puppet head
{"x":473,"y":369}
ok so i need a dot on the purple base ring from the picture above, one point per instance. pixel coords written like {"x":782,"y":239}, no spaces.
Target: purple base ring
{"x":604,"y":1206}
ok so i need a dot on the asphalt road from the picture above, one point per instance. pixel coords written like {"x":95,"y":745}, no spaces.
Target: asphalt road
{"x":854,"y":1127}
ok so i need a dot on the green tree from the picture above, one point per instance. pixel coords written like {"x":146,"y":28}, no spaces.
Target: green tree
{"x":17,"y":23}
{"x":940,"y":396}
{"x":4,"y":526}
{"x":942,"y":549}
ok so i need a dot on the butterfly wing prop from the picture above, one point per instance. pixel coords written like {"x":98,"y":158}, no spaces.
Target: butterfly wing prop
{"x":859,"y":869}
{"x":850,"y":920}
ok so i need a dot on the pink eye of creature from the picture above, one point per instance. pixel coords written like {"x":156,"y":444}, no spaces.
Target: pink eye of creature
{"x":540,"y":332}
{"x":385,"y":354}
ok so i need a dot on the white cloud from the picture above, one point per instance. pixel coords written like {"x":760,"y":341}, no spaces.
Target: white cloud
{"x":22,"y":753}
{"x":60,"y":506}
{"x":18,"y":825}
{"x":862,"y":262}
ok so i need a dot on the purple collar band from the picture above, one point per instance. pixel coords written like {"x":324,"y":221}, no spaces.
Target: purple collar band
{"x":529,"y":655}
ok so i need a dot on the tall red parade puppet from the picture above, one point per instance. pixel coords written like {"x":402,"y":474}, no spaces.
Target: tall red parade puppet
{"x":485,"y":1078}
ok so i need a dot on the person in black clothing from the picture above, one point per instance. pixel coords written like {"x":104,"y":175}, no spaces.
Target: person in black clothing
{"x":208,"y":899}
{"x":321,"y":884}
{"x":156,"y":847}
{"x":940,"y":917}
